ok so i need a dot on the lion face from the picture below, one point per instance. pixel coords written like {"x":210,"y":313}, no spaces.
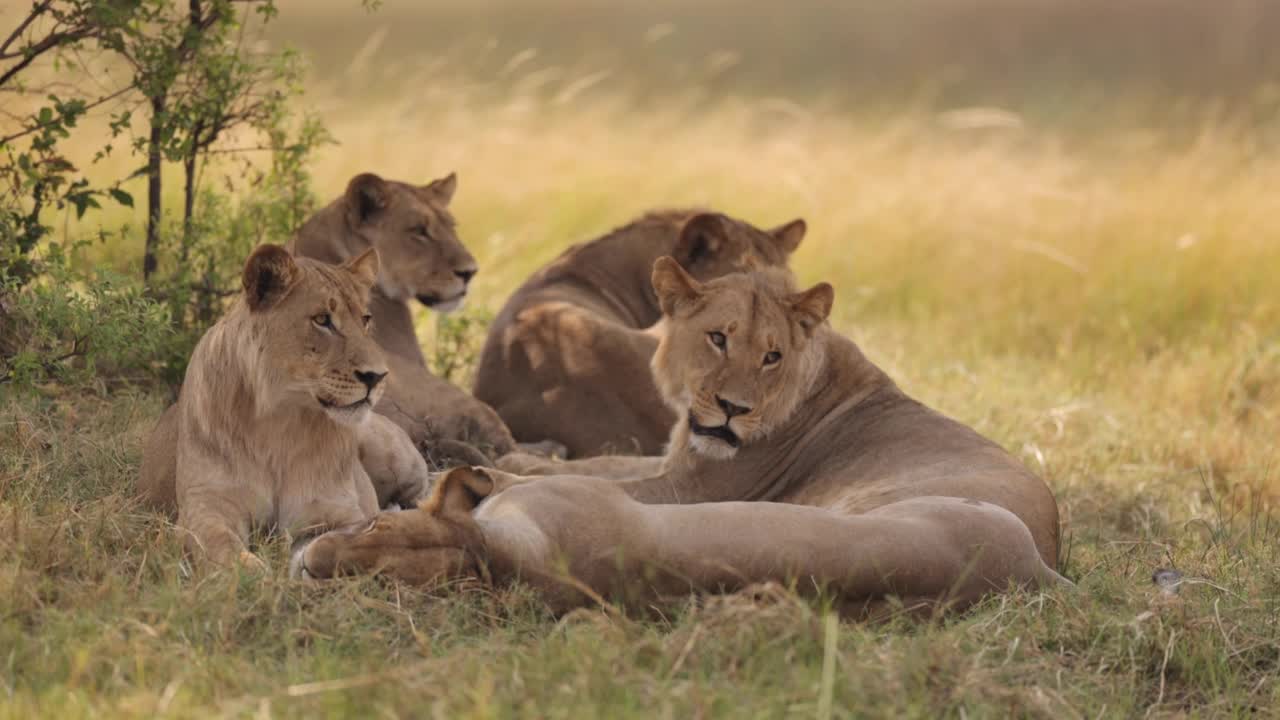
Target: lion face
{"x":415,"y":236}
{"x":440,"y":540}
{"x":311,"y":323}
{"x":737,"y":353}
{"x":712,"y":244}
{"x":415,"y":546}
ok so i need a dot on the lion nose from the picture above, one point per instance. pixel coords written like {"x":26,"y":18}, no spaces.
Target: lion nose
{"x":730,"y":410}
{"x":370,"y":378}
{"x":466,"y":275}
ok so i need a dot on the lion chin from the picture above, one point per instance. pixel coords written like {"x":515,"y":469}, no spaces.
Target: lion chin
{"x":449,"y":306}
{"x":351,"y":415}
{"x":710,"y":447}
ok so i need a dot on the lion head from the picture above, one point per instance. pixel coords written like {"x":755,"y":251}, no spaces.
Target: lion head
{"x":438,"y":540}
{"x":415,"y":236}
{"x":737,"y":352}
{"x":712,"y":244}
{"x":311,"y":328}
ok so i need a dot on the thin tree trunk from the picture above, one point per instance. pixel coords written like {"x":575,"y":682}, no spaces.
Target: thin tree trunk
{"x":195,"y":19}
{"x":155,"y":165}
{"x":188,"y":197}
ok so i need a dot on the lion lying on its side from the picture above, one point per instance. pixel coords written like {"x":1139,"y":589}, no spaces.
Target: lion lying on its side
{"x":274,"y":427}
{"x":795,"y":458}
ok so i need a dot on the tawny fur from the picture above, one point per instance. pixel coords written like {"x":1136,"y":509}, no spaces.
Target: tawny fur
{"x":272,"y":421}
{"x":794,"y":459}
{"x":567,"y":358}
{"x":424,"y":262}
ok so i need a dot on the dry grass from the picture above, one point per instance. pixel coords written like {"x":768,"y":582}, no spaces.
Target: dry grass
{"x":1100,"y":301}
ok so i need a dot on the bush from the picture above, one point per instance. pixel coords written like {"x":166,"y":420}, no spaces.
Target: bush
{"x":459,"y":337}
{"x":80,"y":330}
{"x":197,"y":86}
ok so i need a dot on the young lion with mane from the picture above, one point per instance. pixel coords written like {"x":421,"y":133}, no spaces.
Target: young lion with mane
{"x":794,"y":458}
{"x":274,"y":427}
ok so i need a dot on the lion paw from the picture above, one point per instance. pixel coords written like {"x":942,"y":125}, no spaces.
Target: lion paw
{"x":250,"y":561}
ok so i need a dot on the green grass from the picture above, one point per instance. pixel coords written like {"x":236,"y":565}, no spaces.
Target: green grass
{"x":99,"y":619}
{"x":1098,"y":296}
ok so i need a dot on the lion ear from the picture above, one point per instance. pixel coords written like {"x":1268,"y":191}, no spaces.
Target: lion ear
{"x":811,"y":307}
{"x":365,"y":267}
{"x":790,"y":234}
{"x":461,"y":489}
{"x":268,"y":275}
{"x":367,"y":195}
{"x":443,"y":189}
{"x":703,"y":235}
{"x":673,"y":286}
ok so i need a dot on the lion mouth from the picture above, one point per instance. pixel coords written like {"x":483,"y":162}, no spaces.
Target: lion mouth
{"x":719,"y":432}
{"x":436,"y":302}
{"x":332,"y":405}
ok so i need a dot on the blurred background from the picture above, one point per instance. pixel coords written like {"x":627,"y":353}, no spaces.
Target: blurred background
{"x":1056,"y":219}
{"x":1055,"y":61}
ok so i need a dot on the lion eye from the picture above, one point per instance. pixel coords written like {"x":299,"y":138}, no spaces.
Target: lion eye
{"x":717,"y":338}
{"x":421,"y":231}
{"x":772,"y":357}
{"x":323,"y":320}
{"x":365,"y":320}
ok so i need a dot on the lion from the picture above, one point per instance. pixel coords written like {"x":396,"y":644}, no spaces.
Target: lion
{"x":422,"y":260}
{"x":567,"y":358}
{"x":795,"y":459}
{"x":274,"y":426}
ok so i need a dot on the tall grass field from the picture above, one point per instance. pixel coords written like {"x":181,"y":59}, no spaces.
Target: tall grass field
{"x":1057,"y":222}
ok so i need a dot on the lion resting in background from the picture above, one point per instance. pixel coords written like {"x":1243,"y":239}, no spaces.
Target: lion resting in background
{"x":423,"y":260}
{"x":794,"y":459}
{"x":567,"y":358}
{"x":274,"y":426}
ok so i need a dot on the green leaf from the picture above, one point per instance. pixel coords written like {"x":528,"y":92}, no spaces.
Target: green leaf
{"x":121,"y":197}
{"x":82,"y":202}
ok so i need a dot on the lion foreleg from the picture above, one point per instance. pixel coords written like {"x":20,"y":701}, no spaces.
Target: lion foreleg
{"x":217,"y":528}
{"x":612,"y":467}
{"x":397,"y":470}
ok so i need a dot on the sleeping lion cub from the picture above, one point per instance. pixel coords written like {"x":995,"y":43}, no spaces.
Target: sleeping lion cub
{"x":274,"y":426}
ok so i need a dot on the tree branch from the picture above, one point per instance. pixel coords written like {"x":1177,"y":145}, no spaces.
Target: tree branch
{"x":30,"y":54}
{"x":40,"y":126}
{"x":76,"y":351}
{"x":36,"y":11}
